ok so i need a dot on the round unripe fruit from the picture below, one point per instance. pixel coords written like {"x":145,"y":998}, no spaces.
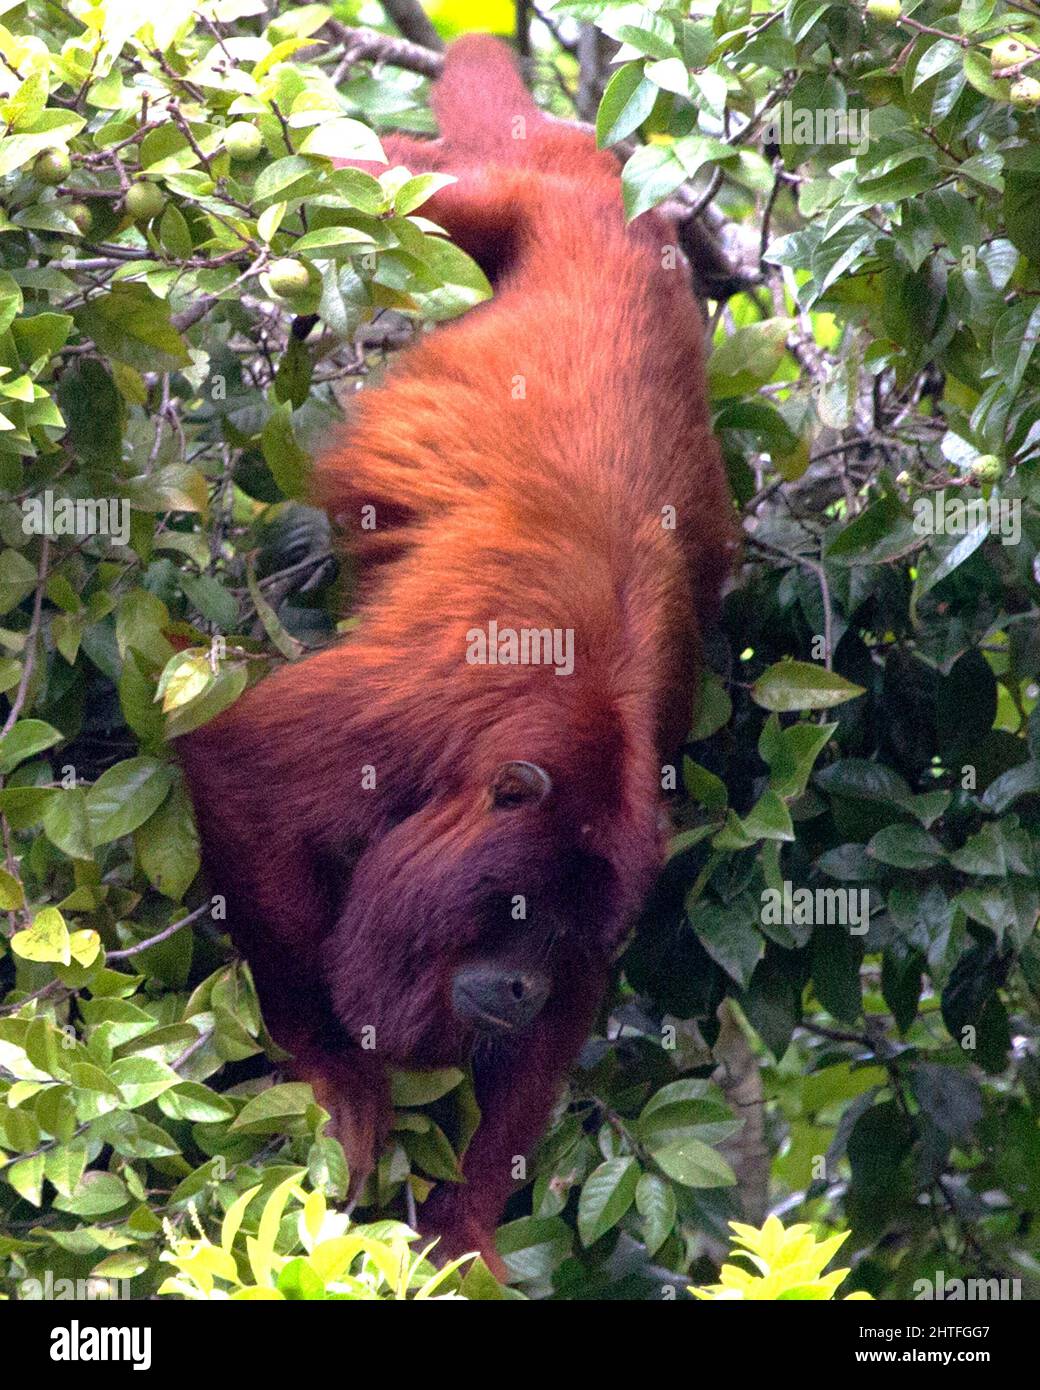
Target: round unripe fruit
{"x":82,"y":216}
{"x":1025,"y":93}
{"x":1006,"y":53}
{"x":888,"y":11}
{"x":52,"y":166}
{"x":144,"y":201}
{"x":288,"y":278}
{"x":243,"y":141}
{"x":987,"y":468}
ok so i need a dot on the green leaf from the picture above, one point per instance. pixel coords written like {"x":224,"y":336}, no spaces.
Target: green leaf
{"x":801,"y":685}
{"x":714,"y":708}
{"x":125,"y":796}
{"x":651,"y":174}
{"x":289,"y":464}
{"x":905,"y":847}
{"x":174,"y":487}
{"x":462,"y":282}
{"x":1021,"y":196}
{"x":606,"y":1195}
{"x":748,"y":358}
{"x":133,"y":325}
{"x":791,"y":753}
{"x":693,"y":1164}
{"x":415,"y":191}
{"x":731,"y":937}
{"x":627,"y":101}
{"x":344,"y":138}
{"x":17,"y":579}
{"x":47,"y":938}
{"x":97,"y":1195}
{"x":423,"y":1087}
{"x":67,"y":825}
{"x":656,"y":1204}
{"x":1004,"y":791}
{"x":769,"y":819}
{"x":288,"y":646}
{"x":836,"y":958}
{"x":325,"y":241}
{"x":12,"y":894}
{"x":26,"y":1175}
{"x":864,"y":780}
{"x":41,"y":335}
{"x":947,"y":555}
{"x":174,"y":234}
{"x":141,"y":1079}
{"x":210,"y":598}
{"x":52,"y":127}
{"x":168,"y":845}
{"x":671,"y":75}
{"x":191,"y":1101}
{"x":94,"y":412}
{"x":430,"y":1149}
{"x":703,"y":786}
{"x":221,"y":692}
{"x":532,"y":1247}
{"x":268,"y":1112}
{"x":950,"y":1098}
{"x":27,"y":738}
{"x":292,"y":177}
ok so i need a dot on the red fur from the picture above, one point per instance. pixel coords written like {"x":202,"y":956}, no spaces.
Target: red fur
{"x":535,"y":508}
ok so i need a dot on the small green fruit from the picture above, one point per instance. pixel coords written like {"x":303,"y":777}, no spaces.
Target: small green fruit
{"x":887,"y":11}
{"x":52,"y":167}
{"x":1006,"y":53}
{"x":288,"y":278}
{"x":243,"y":141}
{"x":1025,"y":93}
{"x":82,"y":216}
{"x":144,"y":201}
{"x":987,"y":468}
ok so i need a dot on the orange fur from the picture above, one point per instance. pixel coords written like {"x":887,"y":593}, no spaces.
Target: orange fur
{"x":521,"y":462}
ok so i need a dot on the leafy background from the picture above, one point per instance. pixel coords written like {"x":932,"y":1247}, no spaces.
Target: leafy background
{"x":869,"y":721}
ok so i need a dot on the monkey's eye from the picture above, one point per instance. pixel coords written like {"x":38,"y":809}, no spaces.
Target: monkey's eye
{"x":519,"y":784}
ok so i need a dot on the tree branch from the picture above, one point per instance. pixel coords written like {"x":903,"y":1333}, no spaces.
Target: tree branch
{"x":385,"y":48}
{"x":413,"y":22}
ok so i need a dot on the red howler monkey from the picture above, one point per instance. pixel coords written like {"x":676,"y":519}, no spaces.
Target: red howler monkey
{"x":435,"y":853}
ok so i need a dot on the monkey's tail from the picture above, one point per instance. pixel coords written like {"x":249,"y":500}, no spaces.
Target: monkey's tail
{"x":487,"y":116}
{"x":482,"y":107}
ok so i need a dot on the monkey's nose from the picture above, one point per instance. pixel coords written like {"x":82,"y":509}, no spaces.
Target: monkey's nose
{"x":496,"y":999}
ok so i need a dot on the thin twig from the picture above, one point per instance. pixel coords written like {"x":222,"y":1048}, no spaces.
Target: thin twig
{"x":164,"y":935}
{"x":30,"y":642}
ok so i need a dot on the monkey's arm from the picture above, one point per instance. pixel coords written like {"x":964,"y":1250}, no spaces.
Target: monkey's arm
{"x":271,"y":783}
{"x":516,"y":1093}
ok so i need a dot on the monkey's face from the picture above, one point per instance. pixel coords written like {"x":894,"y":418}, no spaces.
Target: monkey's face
{"x":460,"y":919}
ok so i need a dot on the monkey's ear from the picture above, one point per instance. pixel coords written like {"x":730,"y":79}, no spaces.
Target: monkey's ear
{"x":518,"y":784}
